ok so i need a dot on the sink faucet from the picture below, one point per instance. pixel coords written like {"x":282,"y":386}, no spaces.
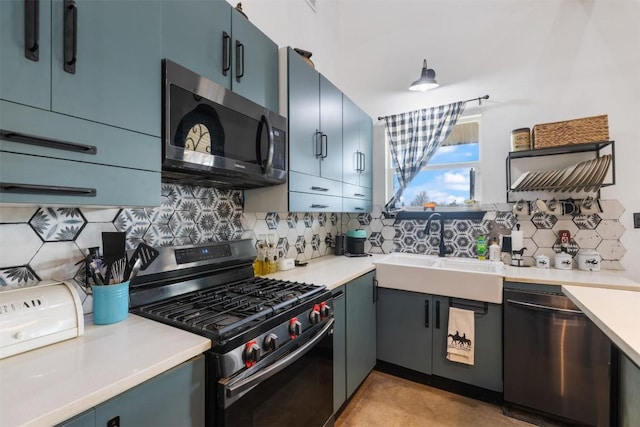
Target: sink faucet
{"x":427,"y":230}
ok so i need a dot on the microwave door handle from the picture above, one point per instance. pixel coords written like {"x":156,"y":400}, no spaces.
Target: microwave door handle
{"x":267,"y":163}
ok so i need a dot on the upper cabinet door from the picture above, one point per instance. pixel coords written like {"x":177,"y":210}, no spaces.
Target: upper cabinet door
{"x":304,"y":116}
{"x":25,"y":30}
{"x":197,"y":35}
{"x":331,"y":127}
{"x":351,"y":142}
{"x":366,"y":148}
{"x":254,"y":73}
{"x":117,"y":69}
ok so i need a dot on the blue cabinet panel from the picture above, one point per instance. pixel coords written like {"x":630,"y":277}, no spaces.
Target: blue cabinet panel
{"x":23,"y":80}
{"x":331,"y":125}
{"x":117,"y":77}
{"x":113,"y":186}
{"x":361,"y":330}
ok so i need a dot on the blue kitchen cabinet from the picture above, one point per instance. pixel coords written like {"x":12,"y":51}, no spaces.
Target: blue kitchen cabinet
{"x":99,"y":106}
{"x":405,"y":329}
{"x":357,"y":158}
{"x":361,"y":329}
{"x":339,"y":349}
{"x":413,"y":329}
{"x":173,"y":398}
{"x":214,"y":40}
{"x":315,"y":122}
{"x":486,"y":372}
{"x":112,"y":76}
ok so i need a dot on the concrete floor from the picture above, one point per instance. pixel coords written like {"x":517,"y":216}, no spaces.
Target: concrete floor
{"x":387,"y":401}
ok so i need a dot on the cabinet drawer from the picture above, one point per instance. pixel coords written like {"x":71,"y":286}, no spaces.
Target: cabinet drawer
{"x":83,"y":183}
{"x":81,"y":139}
{"x":302,"y":183}
{"x":305,"y":202}
{"x":356,"y":205}
{"x":356,"y":191}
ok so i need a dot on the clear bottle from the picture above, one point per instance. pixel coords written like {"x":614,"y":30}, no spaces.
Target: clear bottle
{"x":258,"y":264}
{"x":494,"y":250}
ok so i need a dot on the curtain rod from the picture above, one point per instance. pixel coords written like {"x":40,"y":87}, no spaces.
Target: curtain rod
{"x":479,"y":99}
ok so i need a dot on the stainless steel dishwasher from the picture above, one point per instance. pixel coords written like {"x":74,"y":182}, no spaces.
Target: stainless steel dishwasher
{"x":556,"y":361}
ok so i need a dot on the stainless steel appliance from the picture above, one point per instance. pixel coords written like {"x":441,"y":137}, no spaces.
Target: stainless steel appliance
{"x":215,"y":137}
{"x":271,"y":361}
{"x":556,"y":360}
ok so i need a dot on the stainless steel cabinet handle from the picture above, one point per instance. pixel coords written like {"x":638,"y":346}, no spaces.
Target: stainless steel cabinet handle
{"x":31,"y":29}
{"x":317,"y":137}
{"x":319,"y":206}
{"x":324,"y":149}
{"x":545,"y":307}
{"x":363,"y":167}
{"x":358,"y":208}
{"x":437,"y":314}
{"x":316,"y":188}
{"x":235,"y":388}
{"x":47,"y":142}
{"x":8,"y":187}
{"x":70,"y":25}
{"x":358,"y":195}
{"x":426,"y":313}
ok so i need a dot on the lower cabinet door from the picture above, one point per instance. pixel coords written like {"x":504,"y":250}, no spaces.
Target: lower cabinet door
{"x":361,"y":330}
{"x":174,"y":398}
{"x":339,"y":350}
{"x":86,"y":419}
{"x":405,"y":329}
{"x":486,"y":372}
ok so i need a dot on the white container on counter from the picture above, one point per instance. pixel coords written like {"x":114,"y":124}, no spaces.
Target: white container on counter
{"x":563,"y":261}
{"x":542,"y":261}
{"x":588,"y":260}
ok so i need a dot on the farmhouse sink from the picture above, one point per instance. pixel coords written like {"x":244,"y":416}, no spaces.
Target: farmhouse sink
{"x":454,"y":277}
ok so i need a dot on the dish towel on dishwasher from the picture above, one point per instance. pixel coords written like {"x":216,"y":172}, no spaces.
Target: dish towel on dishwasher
{"x":461,"y":338}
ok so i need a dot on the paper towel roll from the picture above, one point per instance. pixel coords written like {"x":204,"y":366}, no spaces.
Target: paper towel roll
{"x":517,"y":240}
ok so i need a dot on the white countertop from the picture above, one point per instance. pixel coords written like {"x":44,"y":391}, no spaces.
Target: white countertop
{"x":331,"y":271}
{"x":48,"y":385}
{"x":610,"y":279}
{"x":615,"y":312}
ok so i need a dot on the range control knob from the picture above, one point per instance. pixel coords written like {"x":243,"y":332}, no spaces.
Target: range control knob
{"x":314,"y":315}
{"x":325,"y":310}
{"x":251,"y":354}
{"x":295,"y":327}
{"x":270,"y":342}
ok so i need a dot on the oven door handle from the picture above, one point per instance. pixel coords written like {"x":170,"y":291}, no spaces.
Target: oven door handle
{"x":237,"y":387}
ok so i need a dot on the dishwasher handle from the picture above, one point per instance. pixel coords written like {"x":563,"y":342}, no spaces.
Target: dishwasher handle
{"x":545,"y":307}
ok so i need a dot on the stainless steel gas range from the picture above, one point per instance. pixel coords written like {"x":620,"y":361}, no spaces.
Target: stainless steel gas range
{"x":271,"y":361}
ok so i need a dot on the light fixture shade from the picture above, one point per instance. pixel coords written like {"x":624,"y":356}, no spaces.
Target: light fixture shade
{"x":426,"y":81}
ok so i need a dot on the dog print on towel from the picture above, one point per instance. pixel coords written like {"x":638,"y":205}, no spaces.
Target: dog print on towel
{"x":459,"y":342}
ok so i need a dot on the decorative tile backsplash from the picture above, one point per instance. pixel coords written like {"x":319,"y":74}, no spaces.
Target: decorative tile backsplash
{"x":40,"y":243}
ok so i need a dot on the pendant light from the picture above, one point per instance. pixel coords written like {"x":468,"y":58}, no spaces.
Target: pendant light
{"x":426,"y":81}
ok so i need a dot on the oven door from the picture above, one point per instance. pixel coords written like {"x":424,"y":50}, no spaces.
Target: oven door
{"x":294,"y":390}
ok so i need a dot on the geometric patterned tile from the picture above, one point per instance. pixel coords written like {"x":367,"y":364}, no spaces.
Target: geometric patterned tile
{"x":587,"y":239}
{"x":376,"y":239}
{"x":544,"y":238}
{"x":566,"y":225}
{"x":322,"y":219}
{"x":611,"y":209}
{"x":587,"y":221}
{"x":56,"y":260}
{"x":18,"y":277}
{"x":364,"y":218}
{"x":292,"y":219}
{"x":506,"y":220}
{"x":57,"y":224}
{"x":272,"y":219}
{"x":571,"y":248}
{"x":300,"y":244}
{"x":543,"y":220}
{"x":308,"y":219}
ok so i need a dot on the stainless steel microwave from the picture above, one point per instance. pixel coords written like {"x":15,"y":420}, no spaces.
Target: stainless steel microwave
{"x":214,"y":137}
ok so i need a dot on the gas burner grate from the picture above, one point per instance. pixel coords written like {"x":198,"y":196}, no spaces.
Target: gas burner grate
{"x":234,"y":306}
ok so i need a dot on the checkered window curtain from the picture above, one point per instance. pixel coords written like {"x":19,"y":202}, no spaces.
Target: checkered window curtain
{"x":414,"y":137}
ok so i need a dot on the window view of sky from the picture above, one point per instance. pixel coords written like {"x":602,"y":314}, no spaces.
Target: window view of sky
{"x":443,"y":185}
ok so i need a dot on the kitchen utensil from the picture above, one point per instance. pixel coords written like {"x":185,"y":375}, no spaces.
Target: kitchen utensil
{"x":146,"y":253}
{"x":570,"y":207}
{"x":590,"y":206}
{"x":588,"y":260}
{"x":521,"y":208}
{"x":113,"y":245}
{"x":135,"y":270}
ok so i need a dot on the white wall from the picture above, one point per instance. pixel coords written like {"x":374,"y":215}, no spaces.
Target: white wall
{"x":540,"y":61}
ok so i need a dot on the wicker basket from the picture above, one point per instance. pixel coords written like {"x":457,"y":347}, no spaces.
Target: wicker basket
{"x":577,"y":131}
